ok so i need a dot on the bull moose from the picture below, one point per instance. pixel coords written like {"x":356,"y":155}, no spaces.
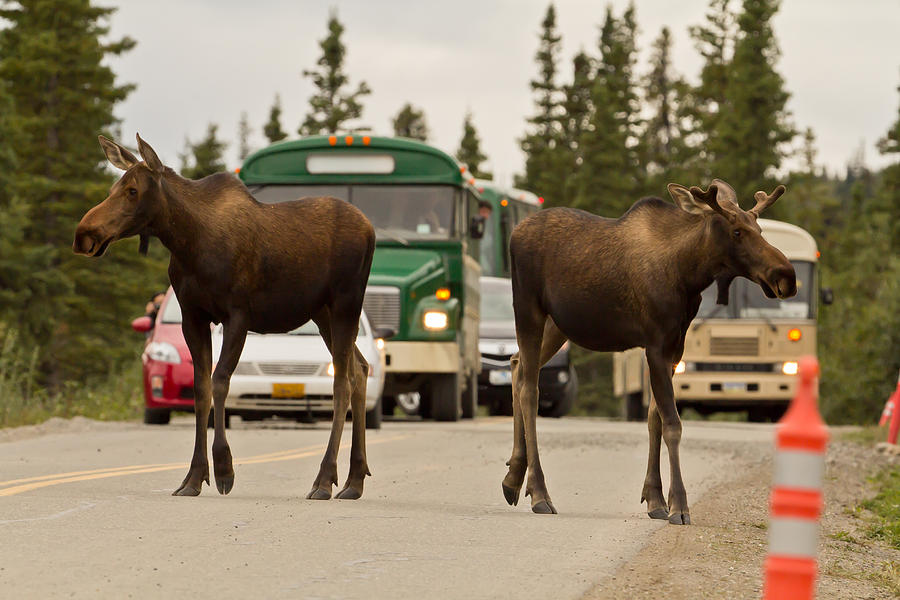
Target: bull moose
{"x":253,"y":267}
{"x":613,"y":284}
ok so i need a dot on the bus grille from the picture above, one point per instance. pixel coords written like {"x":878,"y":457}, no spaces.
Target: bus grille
{"x":734,"y":346}
{"x":737,"y":367}
{"x":382,"y":306}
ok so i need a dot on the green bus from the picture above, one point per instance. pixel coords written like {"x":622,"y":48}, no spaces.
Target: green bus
{"x":508,"y":207}
{"x":424,"y":279}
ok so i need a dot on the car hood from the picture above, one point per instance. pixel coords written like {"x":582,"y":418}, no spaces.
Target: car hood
{"x":289,"y":348}
{"x":401,"y":267}
{"x":497,"y":337}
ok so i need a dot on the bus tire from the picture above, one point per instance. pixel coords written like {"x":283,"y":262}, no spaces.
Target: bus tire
{"x":445,"y":396}
{"x":634,"y":407}
{"x":470,"y":398}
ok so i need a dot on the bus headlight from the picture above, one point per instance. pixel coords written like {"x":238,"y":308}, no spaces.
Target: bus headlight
{"x":379,"y":343}
{"x":680,"y":367}
{"x":435,"y":320}
{"x":789,"y":368}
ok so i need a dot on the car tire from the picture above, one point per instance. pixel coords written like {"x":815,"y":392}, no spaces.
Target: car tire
{"x":373,"y":417}
{"x":634,"y":407}
{"x":500,"y":407}
{"x":470,"y":398}
{"x":157,"y":416}
{"x":562,"y":404}
{"x":445,"y":396}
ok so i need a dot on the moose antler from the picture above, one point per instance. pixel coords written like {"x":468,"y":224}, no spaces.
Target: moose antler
{"x":764,"y":201}
{"x":709,"y":196}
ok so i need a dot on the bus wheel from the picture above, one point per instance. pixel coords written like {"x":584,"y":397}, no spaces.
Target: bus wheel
{"x":634,"y":407}
{"x":445,"y":405}
{"x":470,"y":398}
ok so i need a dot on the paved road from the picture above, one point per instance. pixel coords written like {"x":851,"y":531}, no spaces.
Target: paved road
{"x":89,"y":514}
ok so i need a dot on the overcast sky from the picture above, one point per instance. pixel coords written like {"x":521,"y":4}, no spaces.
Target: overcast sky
{"x":202,"y":61}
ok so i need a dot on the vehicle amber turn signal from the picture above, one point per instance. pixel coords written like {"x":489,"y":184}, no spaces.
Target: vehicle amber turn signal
{"x":349,"y":140}
{"x":794,"y":335}
{"x":332,"y":139}
{"x":442,"y":294}
{"x":504,"y":202}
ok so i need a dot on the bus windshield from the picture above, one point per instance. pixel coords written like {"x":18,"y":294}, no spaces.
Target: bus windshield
{"x":746,"y":299}
{"x":418,"y":212}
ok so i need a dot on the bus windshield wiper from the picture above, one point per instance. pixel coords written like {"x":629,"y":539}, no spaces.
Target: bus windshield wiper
{"x":393,"y":236}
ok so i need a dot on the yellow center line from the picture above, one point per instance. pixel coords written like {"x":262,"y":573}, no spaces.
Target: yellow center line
{"x":138,"y":469}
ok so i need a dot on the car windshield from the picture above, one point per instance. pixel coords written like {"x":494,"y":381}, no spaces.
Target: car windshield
{"x":420,"y":212}
{"x":746,"y":299}
{"x":172,"y":311}
{"x":496,"y":300}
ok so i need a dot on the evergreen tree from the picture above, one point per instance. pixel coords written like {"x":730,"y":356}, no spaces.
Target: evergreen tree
{"x":204,"y":157}
{"x":752,"y":126}
{"x":52,"y":63}
{"x":610,"y":178}
{"x":469,"y":152}
{"x":272,"y":129}
{"x":577,"y":111}
{"x":410,"y":123}
{"x":544,"y":145}
{"x":244,"y":132}
{"x":330,"y":106}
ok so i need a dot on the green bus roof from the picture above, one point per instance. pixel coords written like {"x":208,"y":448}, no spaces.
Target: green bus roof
{"x":495,"y":192}
{"x":367,"y":159}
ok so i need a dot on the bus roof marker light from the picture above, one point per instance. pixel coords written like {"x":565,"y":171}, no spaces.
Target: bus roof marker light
{"x":442,"y":294}
{"x":349,"y":140}
{"x":795,"y":334}
{"x":504,"y":202}
{"x":332,"y":140}
{"x":366,"y":140}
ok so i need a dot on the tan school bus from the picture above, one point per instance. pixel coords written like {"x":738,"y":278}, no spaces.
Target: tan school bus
{"x":741,"y":356}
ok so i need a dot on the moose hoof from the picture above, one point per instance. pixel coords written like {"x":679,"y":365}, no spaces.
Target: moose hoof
{"x":511,"y":494}
{"x":680,"y":518}
{"x":544,"y":507}
{"x":187,"y":490}
{"x":658,"y":513}
{"x":349,"y":493}
{"x":319,"y":494}
{"x":225,"y":484}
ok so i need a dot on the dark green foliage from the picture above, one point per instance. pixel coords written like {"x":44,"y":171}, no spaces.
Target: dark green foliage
{"x":70,"y":313}
{"x":244,"y":132}
{"x":204,"y":157}
{"x":330,"y":106}
{"x":272,"y":129}
{"x":410,"y":123}
{"x":545,"y":162}
{"x":752,"y":126}
{"x":611,"y":177}
{"x":469,"y":152}
{"x":575,"y":121}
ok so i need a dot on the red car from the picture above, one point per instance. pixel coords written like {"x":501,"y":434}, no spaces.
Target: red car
{"x":168,"y":368}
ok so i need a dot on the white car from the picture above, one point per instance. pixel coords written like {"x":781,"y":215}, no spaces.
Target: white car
{"x":291,"y":375}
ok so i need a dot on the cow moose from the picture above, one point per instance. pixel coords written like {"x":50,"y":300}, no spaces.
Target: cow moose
{"x":252,"y":267}
{"x":613,"y":284}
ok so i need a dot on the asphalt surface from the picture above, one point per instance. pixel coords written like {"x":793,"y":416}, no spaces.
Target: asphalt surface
{"x":88,"y":513}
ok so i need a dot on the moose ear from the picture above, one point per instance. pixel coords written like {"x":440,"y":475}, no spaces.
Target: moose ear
{"x":116,"y":154}
{"x":685,"y":200}
{"x":149,"y":156}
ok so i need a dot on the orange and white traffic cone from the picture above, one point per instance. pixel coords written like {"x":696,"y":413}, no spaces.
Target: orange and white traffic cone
{"x":796,"y":503}
{"x":895,"y":416}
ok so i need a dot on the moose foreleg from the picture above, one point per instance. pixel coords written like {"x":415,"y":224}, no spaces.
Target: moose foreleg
{"x":359,"y":467}
{"x":232,"y":345}
{"x":197,"y":335}
{"x":661,"y":383}
{"x":652,"y":491}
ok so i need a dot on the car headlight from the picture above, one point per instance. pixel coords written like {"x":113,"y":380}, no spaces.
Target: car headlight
{"x":163,"y":352}
{"x":680,"y":367}
{"x":331,"y":369}
{"x":436,"y":320}
{"x":789,"y":368}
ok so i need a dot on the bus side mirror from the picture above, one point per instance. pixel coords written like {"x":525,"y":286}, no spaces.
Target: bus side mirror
{"x":476,"y":228}
{"x":826,"y":295}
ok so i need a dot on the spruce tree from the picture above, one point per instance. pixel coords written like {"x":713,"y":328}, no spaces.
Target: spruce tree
{"x":204,"y":157}
{"x":410,"y":123}
{"x":331,"y":107}
{"x":469,"y":152}
{"x":272,"y":129}
{"x":63,"y":94}
{"x":544,"y":145}
{"x":244,"y":132}
{"x":610,"y":178}
{"x":577,"y":112}
{"x":752,"y":126}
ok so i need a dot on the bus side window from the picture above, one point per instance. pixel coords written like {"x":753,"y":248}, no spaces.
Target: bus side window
{"x":505,"y":230}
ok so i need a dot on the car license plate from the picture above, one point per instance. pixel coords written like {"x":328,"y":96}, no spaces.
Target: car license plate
{"x":288,"y":390}
{"x":500,"y":377}
{"x":733,"y":386}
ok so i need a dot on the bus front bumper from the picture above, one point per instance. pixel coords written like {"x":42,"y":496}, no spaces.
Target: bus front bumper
{"x":421,"y":357}
{"x":733,"y":388}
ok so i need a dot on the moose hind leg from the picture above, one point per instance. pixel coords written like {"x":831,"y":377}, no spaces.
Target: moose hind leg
{"x":327,"y":477}
{"x":359,"y":467}
{"x":232,"y":345}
